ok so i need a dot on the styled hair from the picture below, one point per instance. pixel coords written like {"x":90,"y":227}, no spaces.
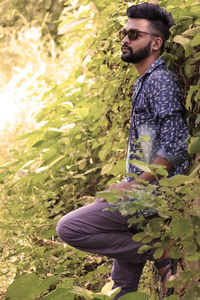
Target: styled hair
{"x":160,"y":20}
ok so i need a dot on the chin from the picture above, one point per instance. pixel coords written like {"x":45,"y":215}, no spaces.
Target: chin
{"x":125,"y":54}
{"x":125,"y":58}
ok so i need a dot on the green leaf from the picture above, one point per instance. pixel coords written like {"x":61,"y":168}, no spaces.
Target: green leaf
{"x":198,"y":239}
{"x":76,"y":290}
{"x":118,"y":168}
{"x":58,"y":159}
{"x":193,"y":293}
{"x":134,"y":296}
{"x":172,"y":297}
{"x":181,"y":228}
{"x":141,"y":165}
{"x":27,"y":164}
{"x":108,"y":290}
{"x":196,"y":40}
{"x":158,"y":253}
{"x":179,"y":180}
{"x":185,"y":42}
{"x":82,"y":164}
{"x":192,"y":90}
{"x":175,"y":252}
{"x":59,"y":294}
{"x":195,"y":8}
{"x":106,"y":169}
{"x":156,"y":224}
{"x":161,"y":172}
{"x":103,"y":153}
{"x":103,"y":69}
{"x":106,"y":296}
{"x":139,"y":236}
{"x":28,"y":287}
{"x":66,"y":284}
{"x":82,"y":112}
{"x":195,"y":147}
{"x":191,"y":32}
{"x":190,"y":246}
{"x":111,"y":196}
{"x":24,"y":287}
{"x":107,"y":287}
{"x":46,"y":283}
{"x":144,"y":248}
{"x":194,"y":257}
{"x":176,"y":181}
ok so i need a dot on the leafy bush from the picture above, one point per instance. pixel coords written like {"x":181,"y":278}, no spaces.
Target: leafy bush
{"x":80,"y":148}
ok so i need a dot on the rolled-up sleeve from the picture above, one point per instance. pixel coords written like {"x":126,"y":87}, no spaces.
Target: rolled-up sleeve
{"x":168,"y":111}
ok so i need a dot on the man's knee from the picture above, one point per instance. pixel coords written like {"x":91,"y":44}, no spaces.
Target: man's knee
{"x":61,"y":229}
{"x":66,"y":231}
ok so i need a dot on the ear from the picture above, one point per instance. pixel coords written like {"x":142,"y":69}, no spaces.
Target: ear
{"x":156,"y":43}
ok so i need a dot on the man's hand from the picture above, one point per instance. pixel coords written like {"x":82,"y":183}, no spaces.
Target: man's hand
{"x":121,"y":187}
{"x":124,"y":186}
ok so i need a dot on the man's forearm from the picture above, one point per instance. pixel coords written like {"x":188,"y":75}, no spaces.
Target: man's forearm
{"x":150,"y":177}
{"x":124,"y":186}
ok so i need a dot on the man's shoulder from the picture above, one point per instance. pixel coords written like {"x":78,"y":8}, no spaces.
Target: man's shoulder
{"x":162,"y":74}
{"x":162,"y":78}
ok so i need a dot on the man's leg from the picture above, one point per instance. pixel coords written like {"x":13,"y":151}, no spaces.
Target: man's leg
{"x":127,"y":276}
{"x":92,"y":229}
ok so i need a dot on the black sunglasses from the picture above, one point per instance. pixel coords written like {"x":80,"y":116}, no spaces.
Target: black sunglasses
{"x":132,"y":34}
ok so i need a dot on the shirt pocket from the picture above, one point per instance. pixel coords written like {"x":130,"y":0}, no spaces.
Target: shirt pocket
{"x":140,"y":117}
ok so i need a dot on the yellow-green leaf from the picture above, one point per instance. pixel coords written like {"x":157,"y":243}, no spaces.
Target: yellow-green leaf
{"x":106,"y":169}
{"x":196,"y":40}
{"x":185,"y":42}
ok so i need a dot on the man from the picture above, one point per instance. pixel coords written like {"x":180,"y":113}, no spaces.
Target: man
{"x":157,"y":114}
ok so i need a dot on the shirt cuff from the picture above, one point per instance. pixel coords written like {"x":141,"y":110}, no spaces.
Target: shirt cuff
{"x":175,"y":160}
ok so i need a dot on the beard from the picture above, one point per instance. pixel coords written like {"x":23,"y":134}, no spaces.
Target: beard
{"x":136,"y":57}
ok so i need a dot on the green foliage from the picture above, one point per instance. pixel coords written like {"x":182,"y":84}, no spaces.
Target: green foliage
{"x":79,"y":148}
{"x":134,"y":296}
{"x":28,"y":286}
{"x":20,"y":19}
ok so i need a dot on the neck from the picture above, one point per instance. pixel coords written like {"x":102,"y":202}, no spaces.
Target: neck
{"x":144,"y":64}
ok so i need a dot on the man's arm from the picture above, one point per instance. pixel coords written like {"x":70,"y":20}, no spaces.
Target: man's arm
{"x":150,"y":177}
{"x":124,"y":186}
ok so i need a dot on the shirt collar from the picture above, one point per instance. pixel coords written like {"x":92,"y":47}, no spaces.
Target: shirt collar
{"x":158,"y":62}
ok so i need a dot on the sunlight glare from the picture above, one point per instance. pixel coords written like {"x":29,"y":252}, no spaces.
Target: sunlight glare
{"x":20,"y":97}
{"x":14,"y":97}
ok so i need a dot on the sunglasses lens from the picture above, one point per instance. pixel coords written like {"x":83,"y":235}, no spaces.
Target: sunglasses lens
{"x":132,"y":34}
{"x":122,"y":34}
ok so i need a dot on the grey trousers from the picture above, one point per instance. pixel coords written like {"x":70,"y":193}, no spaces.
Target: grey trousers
{"x":92,"y":229}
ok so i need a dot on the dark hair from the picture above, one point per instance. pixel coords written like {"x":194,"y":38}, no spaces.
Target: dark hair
{"x":160,"y":19}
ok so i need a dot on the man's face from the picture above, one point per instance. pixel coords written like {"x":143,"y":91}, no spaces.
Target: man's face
{"x":134,"y":51}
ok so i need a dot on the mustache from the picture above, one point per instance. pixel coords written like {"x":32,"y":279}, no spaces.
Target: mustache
{"x":126,"y":47}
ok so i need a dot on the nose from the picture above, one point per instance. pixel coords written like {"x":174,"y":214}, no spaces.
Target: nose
{"x":125,"y":39}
